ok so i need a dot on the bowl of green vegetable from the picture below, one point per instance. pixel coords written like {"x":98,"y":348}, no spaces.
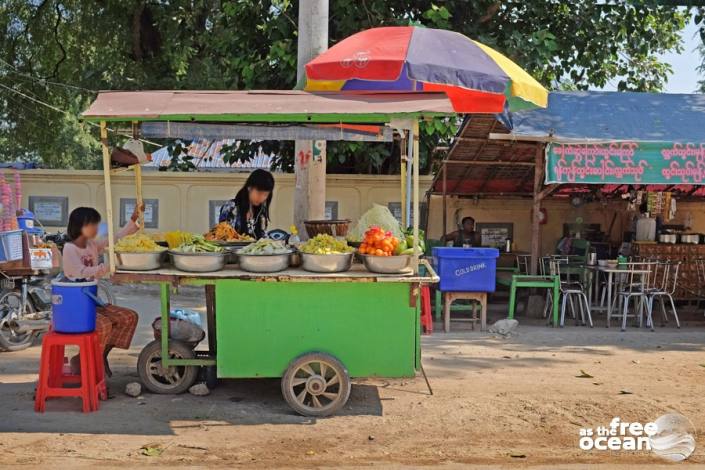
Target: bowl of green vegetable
{"x":199,"y":256}
{"x":264,"y":256}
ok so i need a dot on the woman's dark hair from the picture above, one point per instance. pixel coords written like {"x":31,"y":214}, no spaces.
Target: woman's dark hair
{"x":80,"y":217}
{"x":258,"y":179}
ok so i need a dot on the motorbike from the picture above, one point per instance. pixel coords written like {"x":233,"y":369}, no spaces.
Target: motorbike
{"x":25,"y":305}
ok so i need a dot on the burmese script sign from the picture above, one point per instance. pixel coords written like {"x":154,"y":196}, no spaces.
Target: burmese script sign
{"x":626,"y":163}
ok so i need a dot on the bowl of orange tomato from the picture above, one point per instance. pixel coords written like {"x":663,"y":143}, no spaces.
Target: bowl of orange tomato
{"x":377,"y":251}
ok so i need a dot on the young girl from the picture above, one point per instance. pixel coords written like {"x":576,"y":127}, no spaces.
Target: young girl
{"x":248,"y":212}
{"x":81,"y":262}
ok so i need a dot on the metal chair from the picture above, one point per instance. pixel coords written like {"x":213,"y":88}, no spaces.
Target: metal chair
{"x":634,"y":286}
{"x":569,"y":290}
{"x":666,"y":286}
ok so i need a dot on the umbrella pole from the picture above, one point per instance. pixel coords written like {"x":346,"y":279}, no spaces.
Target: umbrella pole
{"x":108,"y":195}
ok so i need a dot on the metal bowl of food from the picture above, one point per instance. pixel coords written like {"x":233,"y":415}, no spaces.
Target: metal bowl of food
{"x":264,"y":263}
{"x":139,"y":261}
{"x":387,"y":264}
{"x":333,"y":263}
{"x":197,"y":262}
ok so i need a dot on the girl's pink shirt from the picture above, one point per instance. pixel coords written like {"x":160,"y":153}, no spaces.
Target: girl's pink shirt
{"x":82,"y":263}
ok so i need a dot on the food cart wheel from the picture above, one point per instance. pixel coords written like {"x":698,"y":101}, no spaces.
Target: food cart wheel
{"x":316,"y":384}
{"x":174,"y":379}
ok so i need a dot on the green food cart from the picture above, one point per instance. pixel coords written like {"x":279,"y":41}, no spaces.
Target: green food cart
{"x":314,"y":331}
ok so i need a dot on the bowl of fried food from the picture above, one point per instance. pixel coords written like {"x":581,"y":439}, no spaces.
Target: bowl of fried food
{"x":225,"y":235}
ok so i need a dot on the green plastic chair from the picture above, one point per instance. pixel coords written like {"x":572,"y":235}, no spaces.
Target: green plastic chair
{"x":544,"y":281}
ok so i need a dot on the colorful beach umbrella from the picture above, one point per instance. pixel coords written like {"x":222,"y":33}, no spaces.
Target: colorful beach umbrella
{"x":476,"y":78}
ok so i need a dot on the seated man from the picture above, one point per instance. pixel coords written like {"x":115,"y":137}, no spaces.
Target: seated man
{"x":465,"y":237}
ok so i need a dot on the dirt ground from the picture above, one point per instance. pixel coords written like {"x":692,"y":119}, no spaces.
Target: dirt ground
{"x":496,"y":402}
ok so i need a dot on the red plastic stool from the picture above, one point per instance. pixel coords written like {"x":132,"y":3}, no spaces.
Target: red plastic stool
{"x":426,"y":315}
{"x":53,"y":377}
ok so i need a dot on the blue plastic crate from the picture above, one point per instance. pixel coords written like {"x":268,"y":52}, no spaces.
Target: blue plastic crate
{"x":466,"y":269}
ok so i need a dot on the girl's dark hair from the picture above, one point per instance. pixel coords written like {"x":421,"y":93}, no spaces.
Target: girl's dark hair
{"x":258,"y":179}
{"x":80,"y":217}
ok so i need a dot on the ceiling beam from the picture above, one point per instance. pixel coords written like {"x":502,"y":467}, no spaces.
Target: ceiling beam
{"x":488,"y":163}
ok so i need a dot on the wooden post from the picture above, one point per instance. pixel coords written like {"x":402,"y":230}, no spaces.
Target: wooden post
{"x":108,"y":195}
{"x":404,"y":222}
{"x":536,"y":210}
{"x":414,"y":134}
{"x":138,"y":178}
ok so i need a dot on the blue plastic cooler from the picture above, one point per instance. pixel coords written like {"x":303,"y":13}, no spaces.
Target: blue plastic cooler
{"x":466,"y":269}
{"x":73,"y":306}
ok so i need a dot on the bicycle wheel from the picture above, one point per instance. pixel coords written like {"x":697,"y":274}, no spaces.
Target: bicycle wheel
{"x":11,"y":340}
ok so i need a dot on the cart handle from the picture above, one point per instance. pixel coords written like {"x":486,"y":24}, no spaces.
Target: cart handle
{"x":432,"y":275}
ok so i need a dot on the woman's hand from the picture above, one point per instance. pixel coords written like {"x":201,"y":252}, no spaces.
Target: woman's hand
{"x":139,"y":209}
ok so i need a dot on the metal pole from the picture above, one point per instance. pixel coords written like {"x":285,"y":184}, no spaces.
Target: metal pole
{"x":409,"y":152}
{"x":444,"y":169}
{"x":404,"y":185}
{"x":310,"y":156}
{"x":108,"y":195}
{"x":414,"y":134}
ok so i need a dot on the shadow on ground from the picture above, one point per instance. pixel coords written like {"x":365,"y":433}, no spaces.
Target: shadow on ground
{"x":233,"y":402}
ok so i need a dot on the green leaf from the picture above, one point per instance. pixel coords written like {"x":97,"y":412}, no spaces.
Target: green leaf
{"x":152,"y":450}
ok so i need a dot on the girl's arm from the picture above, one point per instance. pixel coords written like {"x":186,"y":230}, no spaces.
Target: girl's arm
{"x":129,"y":228}
{"x":75,"y":269}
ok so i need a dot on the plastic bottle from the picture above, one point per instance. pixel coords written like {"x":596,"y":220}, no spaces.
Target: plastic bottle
{"x":294,"y":239}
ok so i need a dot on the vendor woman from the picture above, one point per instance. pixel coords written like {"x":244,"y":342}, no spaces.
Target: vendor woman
{"x":114,"y":325}
{"x":248,"y":212}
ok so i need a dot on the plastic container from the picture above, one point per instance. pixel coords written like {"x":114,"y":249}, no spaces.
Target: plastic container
{"x":26,"y":220}
{"x":11,"y":245}
{"x":466,"y":269}
{"x":73,"y":306}
{"x":645,"y":229}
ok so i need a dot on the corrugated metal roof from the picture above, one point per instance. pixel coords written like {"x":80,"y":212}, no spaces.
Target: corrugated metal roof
{"x":263,"y":106}
{"x":504,"y":164}
{"x":612,"y":115}
{"x":207,"y":156}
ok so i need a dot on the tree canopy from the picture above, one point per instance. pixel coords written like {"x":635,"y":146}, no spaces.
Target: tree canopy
{"x":54,"y":55}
